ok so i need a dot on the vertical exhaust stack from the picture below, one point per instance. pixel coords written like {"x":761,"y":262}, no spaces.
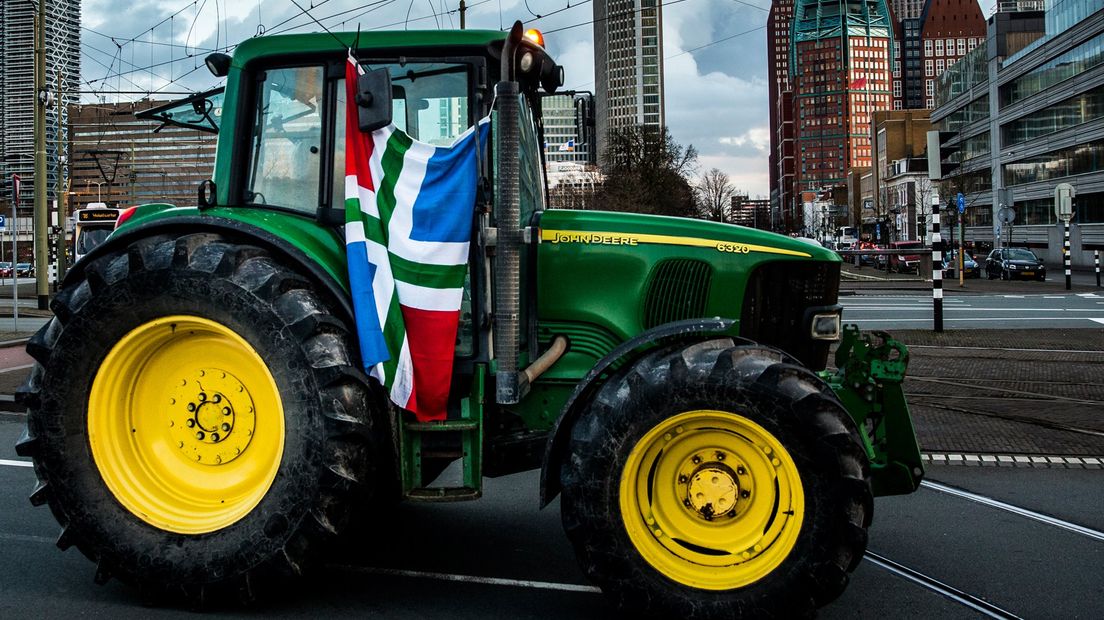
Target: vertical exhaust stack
{"x":507,"y":219}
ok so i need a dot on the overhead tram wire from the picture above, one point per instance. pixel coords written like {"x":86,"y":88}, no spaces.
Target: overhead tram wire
{"x":693,"y":49}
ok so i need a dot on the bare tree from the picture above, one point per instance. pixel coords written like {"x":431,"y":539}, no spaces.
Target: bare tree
{"x":715,"y":195}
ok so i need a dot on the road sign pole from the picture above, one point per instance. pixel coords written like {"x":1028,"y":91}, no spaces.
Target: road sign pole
{"x":937,"y":268}
{"x":1096,"y":265}
{"x":1066,"y":251}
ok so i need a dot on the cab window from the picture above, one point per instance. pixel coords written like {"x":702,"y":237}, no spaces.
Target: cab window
{"x":287,"y":140}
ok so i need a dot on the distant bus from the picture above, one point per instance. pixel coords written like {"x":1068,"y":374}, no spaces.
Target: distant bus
{"x":93,"y":224}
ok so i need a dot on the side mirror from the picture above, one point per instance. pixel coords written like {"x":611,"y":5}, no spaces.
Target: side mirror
{"x":373,"y":99}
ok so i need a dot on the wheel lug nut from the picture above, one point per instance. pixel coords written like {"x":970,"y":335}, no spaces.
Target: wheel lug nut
{"x":683,"y":479}
{"x":745,"y":494}
{"x":740,"y":470}
{"x":191,"y":407}
{"x":720,"y":456}
{"x":732,"y":513}
{"x":225,"y":427}
{"x":225,"y":411}
{"x":217,"y":398}
{"x":214,"y":436}
{"x":202,"y":396}
{"x":200,"y":435}
{"x":190,"y":423}
{"x":686,"y":503}
{"x":696,"y":460}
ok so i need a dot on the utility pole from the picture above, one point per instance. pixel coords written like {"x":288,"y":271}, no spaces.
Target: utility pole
{"x":62,"y":195}
{"x":41,"y":259}
{"x":463,"y":9}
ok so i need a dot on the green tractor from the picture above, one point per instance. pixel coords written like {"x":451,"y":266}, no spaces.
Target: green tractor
{"x":201,"y":422}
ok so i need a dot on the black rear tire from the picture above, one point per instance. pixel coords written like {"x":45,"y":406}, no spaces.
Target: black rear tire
{"x":332,"y":454}
{"x":749,"y":382}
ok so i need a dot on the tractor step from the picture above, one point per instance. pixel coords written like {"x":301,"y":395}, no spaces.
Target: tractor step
{"x":444,"y":494}
{"x":424,"y":445}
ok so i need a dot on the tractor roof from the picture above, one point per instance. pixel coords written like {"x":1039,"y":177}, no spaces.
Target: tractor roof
{"x":322,"y":42}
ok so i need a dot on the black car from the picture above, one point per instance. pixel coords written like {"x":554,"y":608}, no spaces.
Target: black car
{"x":1011,"y":263}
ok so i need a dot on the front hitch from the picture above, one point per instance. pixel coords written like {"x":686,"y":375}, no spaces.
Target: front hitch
{"x":869,"y":371}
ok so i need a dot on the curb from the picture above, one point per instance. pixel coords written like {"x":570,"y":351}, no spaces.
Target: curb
{"x":1013,"y":460}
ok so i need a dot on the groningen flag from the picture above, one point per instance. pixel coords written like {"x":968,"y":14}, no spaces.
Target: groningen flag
{"x":408,"y":219}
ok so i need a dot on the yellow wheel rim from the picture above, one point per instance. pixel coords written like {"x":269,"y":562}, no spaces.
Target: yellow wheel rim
{"x":711,"y":500}
{"x":186,"y":424}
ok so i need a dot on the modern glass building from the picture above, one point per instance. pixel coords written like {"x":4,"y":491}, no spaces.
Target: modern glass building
{"x":1024,"y":113}
{"x":17,"y":19}
{"x":628,"y":65}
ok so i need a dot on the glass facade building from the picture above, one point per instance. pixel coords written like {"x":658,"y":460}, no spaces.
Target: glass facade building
{"x":1025,"y":115}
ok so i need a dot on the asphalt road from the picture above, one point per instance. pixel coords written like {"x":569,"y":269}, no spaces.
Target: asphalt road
{"x":501,"y":556}
{"x":907,"y":310}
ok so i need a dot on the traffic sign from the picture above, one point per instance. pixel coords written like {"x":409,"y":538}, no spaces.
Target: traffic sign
{"x":961,"y":203}
{"x":3,"y":223}
{"x":1063,"y":201}
{"x":1006,"y":215}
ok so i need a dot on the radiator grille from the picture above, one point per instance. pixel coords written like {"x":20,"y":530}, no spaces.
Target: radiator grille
{"x":777,"y":296}
{"x":678,"y":290}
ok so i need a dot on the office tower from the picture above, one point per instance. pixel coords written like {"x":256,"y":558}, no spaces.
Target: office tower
{"x":628,"y":66}
{"x":17,"y":18}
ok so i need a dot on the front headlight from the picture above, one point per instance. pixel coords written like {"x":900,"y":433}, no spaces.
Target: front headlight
{"x":826,"y":326}
{"x":1013,"y":267}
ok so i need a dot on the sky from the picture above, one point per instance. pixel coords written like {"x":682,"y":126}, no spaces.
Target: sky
{"x":714,"y":50}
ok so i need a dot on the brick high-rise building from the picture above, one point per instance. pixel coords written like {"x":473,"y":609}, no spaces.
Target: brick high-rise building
{"x":779,"y":23}
{"x":928,"y":44}
{"x":840,"y":56}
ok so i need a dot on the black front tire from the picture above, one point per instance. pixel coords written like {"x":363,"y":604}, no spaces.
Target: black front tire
{"x":762,"y":385}
{"x":330,"y":451}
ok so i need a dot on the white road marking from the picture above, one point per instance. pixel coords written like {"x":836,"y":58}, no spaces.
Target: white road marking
{"x":987,"y":318}
{"x":1023,"y":512}
{"x":16,"y":463}
{"x":15,"y":368}
{"x":932,"y":346}
{"x":492,"y":581}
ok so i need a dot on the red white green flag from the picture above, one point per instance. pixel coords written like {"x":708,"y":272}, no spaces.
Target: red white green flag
{"x":409,"y":208}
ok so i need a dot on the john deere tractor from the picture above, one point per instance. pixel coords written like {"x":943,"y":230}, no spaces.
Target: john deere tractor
{"x":201,"y":422}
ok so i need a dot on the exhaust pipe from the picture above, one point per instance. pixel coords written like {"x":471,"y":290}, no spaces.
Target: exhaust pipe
{"x":509,"y":383}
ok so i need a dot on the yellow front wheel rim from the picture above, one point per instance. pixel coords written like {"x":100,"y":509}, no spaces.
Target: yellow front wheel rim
{"x":712,"y":500}
{"x":186,"y":424}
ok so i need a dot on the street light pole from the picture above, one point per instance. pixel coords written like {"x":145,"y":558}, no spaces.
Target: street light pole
{"x":42,"y":285}
{"x":60,"y":192}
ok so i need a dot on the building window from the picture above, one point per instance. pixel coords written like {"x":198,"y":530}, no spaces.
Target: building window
{"x":950,"y":46}
{"x":962,"y":47}
{"x":931,"y":103}
{"x":929,"y":68}
{"x":896,"y":68}
{"x":939,"y":47}
{"x":927,"y":47}
{"x":939,"y":66}
{"x":896,"y":89}
{"x":973,"y":43}
{"x":929,"y":88}
{"x":897,"y":105}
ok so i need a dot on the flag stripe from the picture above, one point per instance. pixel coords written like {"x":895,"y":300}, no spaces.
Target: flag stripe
{"x":430,"y":276}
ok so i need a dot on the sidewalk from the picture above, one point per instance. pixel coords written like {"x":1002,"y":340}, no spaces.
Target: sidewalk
{"x":867,"y":280}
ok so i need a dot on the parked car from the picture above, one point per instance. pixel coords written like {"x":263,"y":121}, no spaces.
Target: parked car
{"x":5,"y":269}
{"x":905,"y":262}
{"x":24,"y":270}
{"x":970,"y":268}
{"x":1010,"y":263}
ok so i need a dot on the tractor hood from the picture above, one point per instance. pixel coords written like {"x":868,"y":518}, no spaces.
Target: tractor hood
{"x":598,"y":228}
